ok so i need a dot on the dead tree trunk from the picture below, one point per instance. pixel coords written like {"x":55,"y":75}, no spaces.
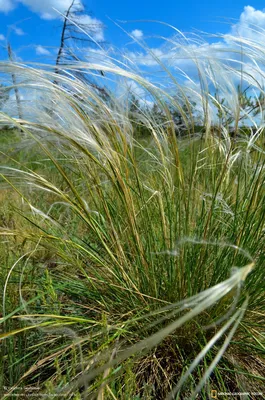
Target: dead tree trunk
{"x":75,"y":29}
{"x":14,"y":79}
{"x":62,"y":42}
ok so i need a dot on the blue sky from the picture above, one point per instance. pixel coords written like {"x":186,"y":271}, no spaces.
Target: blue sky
{"x":33,"y":27}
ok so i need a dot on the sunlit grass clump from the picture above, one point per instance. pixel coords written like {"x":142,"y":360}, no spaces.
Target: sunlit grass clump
{"x":132,"y":248}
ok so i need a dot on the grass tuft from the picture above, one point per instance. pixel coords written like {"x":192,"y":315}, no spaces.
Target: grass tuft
{"x":132,"y":249}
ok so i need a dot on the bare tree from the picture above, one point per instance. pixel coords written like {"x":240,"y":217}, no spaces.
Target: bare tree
{"x":78,"y":30}
{"x":14,"y":79}
{"x":4,"y":95}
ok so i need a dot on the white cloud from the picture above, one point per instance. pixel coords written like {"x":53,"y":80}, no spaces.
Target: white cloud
{"x":133,"y":88}
{"x":18,"y":31}
{"x":147,"y":59}
{"x":41,"y":51}
{"x":137,"y":33}
{"x":46,"y":7}
{"x":51,"y":9}
{"x":7,"y":5}
{"x":43,"y":7}
{"x":251,"y":23}
{"x":95,"y":27}
{"x":2,"y":37}
{"x":99,"y":56}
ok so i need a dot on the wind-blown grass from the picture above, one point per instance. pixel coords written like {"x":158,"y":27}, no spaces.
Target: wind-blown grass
{"x":135,"y":266}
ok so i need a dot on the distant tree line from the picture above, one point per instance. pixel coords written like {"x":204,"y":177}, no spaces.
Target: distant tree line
{"x":186,"y":122}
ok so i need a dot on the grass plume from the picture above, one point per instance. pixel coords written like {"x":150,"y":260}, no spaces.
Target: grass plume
{"x":134,"y":267}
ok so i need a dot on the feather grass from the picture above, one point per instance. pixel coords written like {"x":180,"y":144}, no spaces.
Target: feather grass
{"x":114,"y":225}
